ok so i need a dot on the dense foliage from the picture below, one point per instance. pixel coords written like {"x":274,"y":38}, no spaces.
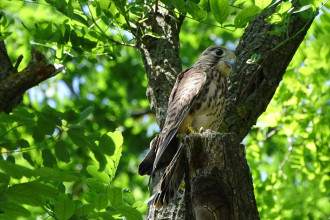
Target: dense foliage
{"x":72,"y":148}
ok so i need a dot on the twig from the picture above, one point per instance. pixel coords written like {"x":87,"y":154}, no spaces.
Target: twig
{"x":4,"y":134}
{"x":18,"y":62}
{"x":287,"y":157}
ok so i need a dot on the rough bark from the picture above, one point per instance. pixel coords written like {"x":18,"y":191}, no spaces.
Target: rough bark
{"x":218,"y":178}
{"x":251,"y":87}
{"x":161,"y":59}
{"x":13,"y":84}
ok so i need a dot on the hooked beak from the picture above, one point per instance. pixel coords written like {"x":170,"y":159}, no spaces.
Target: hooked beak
{"x":230,"y":62}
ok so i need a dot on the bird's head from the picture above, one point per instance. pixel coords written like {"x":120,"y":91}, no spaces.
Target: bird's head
{"x":222,"y":58}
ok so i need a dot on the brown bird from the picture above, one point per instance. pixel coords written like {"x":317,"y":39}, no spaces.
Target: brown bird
{"x":196,"y":103}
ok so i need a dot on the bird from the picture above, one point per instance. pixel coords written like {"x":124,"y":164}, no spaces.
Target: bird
{"x":196,"y":103}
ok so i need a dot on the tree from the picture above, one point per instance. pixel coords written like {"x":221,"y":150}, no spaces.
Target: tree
{"x":154,"y":29}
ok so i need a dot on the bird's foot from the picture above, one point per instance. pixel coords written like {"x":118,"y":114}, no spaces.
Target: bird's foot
{"x":190,"y":129}
{"x":201,"y":130}
{"x":183,"y":186}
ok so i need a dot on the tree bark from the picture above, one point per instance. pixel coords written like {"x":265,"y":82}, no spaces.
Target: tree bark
{"x":218,"y":178}
{"x":13,"y":84}
{"x":219,"y":184}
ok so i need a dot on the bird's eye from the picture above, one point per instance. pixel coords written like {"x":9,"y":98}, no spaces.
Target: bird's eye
{"x":219,"y":53}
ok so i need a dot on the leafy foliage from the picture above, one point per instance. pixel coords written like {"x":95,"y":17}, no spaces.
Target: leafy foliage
{"x":59,"y":158}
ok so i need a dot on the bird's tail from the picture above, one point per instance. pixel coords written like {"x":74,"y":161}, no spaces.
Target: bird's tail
{"x":171,"y":179}
{"x":146,"y":166}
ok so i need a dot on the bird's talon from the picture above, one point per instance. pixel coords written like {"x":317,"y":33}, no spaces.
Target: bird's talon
{"x":190,"y":130}
{"x":183,"y":186}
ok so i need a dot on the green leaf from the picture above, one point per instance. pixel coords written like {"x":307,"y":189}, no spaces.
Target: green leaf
{"x":84,"y":210}
{"x":51,"y":174}
{"x":4,"y":182}
{"x":129,"y":212}
{"x":104,"y":4}
{"x":14,"y":170}
{"x":262,"y":3}
{"x":100,"y":157}
{"x":69,"y":10}
{"x":101,"y":201}
{"x":113,"y":161}
{"x":37,"y":135}
{"x":283,"y":7}
{"x":128,"y":197}
{"x":78,"y":137}
{"x":41,"y":189}
{"x":220,"y":10}
{"x":107,"y":145}
{"x":31,"y":193}
{"x":245,"y":16}
{"x":48,"y":158}
{"x":4,"y":35}
{"x":86,"y":112}
{"x":22,"y":193}
{"x":61,"y":151}
{"x":64,"y":207}
{"x":274,"y":19}
{"x":28,"y":158}
{"x":99,"y":175}
{"x":44,"y":125}
{"x":96,"y":185}
{"x":22,"y":143}
{"x":4,"y":178}
{"x":117,"y":137}
{"x":195,"y":11}
{"x":11,"y":210}
{"x":179,"y":4}
{"x":115,"y":196}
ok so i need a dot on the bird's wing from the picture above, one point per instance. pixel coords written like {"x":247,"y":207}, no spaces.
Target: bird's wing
{"x":185,"y":91}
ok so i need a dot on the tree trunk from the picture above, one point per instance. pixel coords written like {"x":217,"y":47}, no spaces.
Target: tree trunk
{"x":219,"y":184}
{"x":218,"y":178}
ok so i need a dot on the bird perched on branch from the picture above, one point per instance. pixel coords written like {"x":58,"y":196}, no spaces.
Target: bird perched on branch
{"x":196,"y":103}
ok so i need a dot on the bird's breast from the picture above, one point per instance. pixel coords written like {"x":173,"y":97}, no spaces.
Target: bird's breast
{"x":207,"y":110}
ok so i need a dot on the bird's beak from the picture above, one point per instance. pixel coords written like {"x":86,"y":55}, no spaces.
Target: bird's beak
{"x":230,"y":62}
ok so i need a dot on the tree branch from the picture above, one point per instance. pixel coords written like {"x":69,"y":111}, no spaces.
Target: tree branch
{"x":15,"y":84}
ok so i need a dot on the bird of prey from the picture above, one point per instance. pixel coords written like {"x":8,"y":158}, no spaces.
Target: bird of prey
{"x":196,"y":103}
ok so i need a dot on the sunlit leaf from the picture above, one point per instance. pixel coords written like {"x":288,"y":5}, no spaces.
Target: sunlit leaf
{"x":220,"y":10}
{"x":99,"y":175}
{"x":262,"y":3}
{"x":245,"y":16}
{"x":283,"y":7}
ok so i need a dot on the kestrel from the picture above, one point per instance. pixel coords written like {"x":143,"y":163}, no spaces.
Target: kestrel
{"x":196,"y":103}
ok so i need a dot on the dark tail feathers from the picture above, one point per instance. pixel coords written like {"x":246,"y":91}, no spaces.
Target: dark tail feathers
{"x":171,"y":179}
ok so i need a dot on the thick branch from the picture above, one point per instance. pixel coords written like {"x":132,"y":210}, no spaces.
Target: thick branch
{"x":15,"y":84}
{"x":252,"y":86}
